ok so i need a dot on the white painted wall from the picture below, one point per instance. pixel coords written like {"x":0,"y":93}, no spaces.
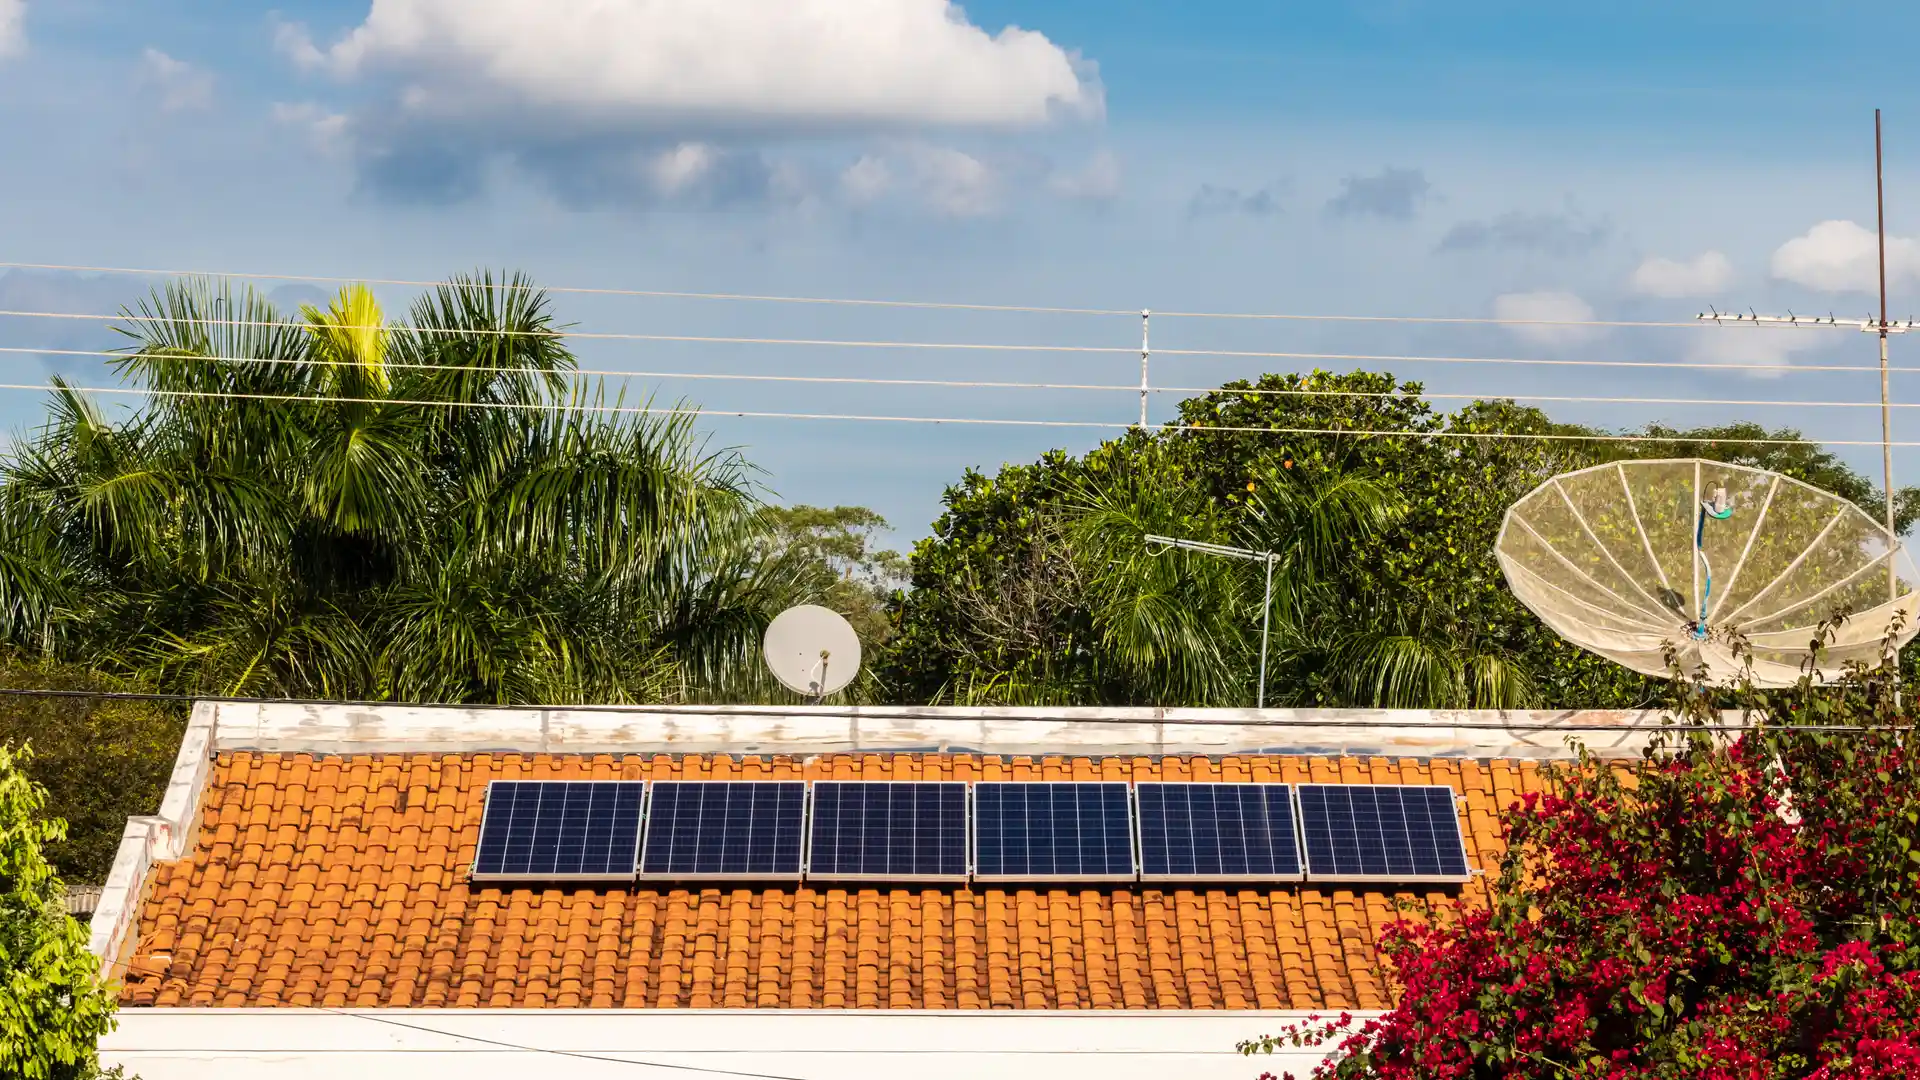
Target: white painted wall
{"x":823,"y":729}
{"x":390,"y":1044}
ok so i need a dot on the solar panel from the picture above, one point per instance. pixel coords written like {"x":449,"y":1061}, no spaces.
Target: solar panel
{"x":564,"y":830}
{"x":1387,"y":832}
{"x":909,"y":831}
{"x":723,"y":829}
{"x":1062,"y":832}
{"x":1222,"y":832}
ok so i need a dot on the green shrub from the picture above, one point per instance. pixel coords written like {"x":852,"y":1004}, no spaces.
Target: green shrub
{"x":100,"y":760}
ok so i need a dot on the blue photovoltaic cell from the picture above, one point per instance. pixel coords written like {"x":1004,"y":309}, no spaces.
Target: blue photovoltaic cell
{"x":1217,"y":831}
{"x":905,"y":831}
{"x":1382,"y":832}
{"x":1032,"y":831}
{"x":558,"y":830}
{"x":724,"y":829}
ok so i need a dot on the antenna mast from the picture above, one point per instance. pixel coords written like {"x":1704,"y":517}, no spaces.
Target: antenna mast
{"x":1881,"y":326}
{"x":1886,"y":420}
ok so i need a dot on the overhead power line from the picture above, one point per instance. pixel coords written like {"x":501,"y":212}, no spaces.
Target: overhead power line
{"x":672,"y":294}
{"x":883,"y":713}
{"x":965,"y":346}
{"x":604,"y":373}
{"x":1198,"y":429}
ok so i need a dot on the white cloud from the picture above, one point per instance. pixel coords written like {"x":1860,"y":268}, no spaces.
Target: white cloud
{"x":180,"y":85}
{"x":1097,"y":181}
{"x":688,"y":64}
{"x":1764,"y":352}
{"x":1843,"y":256}
{"x":953,"y":182}
{"x":1707,"y":274}
{"x":292,"y":41}
{"x":674,"y":171}
{"x":866,"y":180}
{"x":325,"y":131}
{"x":1539,"y":317}
{"x":13,"y":27}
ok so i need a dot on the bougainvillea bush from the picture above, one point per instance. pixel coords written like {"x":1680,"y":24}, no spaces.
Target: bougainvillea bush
{"x":1723,"y":909}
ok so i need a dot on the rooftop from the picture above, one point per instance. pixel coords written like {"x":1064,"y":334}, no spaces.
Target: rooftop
{"x":319,"y":857}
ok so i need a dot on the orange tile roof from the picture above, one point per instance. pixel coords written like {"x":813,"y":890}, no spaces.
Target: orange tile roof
{"x":341,"y":881}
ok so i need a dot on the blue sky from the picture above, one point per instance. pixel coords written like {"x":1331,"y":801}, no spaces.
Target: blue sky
{"x":1633,"y":160}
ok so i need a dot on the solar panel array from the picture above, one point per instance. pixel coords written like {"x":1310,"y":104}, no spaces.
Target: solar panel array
{"x":933,"y":831}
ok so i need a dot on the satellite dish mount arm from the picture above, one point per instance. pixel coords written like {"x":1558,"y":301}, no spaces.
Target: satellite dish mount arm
{"x":1718,"y":505}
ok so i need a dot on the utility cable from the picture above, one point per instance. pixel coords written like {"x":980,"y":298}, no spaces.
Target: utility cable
{"x":601,"y":373}
{"x":835,"y":301}
{"x":1196,"y":429}
{"x":895,"y":713}
{"x":959,"y":346}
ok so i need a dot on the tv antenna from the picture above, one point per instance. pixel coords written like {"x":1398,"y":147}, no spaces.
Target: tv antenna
{"x":1870,"y":325}
{"x":812,"y":650}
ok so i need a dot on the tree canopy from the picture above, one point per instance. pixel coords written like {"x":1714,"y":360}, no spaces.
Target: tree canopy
{"x":340,"y":506}
{"x":1392,"y":595}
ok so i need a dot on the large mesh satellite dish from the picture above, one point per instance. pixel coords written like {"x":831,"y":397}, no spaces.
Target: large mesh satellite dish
{"x":1632,"y":558}
{"x":812,"y":650}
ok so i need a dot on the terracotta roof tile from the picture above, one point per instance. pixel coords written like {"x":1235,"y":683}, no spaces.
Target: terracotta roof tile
{"x":341,"y":881}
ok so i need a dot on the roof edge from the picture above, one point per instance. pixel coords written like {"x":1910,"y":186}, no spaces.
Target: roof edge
{"x":826,"y":729}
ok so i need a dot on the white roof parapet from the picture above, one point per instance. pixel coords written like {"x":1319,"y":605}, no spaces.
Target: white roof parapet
{"x":824,"y":729}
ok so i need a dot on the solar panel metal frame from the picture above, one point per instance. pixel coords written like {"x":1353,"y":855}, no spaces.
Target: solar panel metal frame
{"x":966,"y":814}
{"x":641,"y":872}
{"x":1293,"y":815}
{"x":973,"y":839}
{"x":1459,"y":833}
{"x":475,"y":875}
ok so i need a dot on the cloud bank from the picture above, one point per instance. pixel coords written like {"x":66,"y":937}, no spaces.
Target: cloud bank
{"x":1532,"y":316}
{"x":706,"y":63}
{"x":1394,"y":193}
{"x":1548,"y":234}
{"x":177,"y":84}
{"x":13,"y":28}
{"x":1707,"y":274}
{"x":1843,"y":256}
{"x":656,"y":100}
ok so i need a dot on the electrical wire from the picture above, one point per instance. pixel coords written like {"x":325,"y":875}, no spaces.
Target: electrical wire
{"x":1195,"y":429}
{"x":576,"y":373}
{"x":965,"y":346}
{"x":985,"y":346}
{"x":885,"y":713}
{"x":503,"y":1044}
{"x":836,"y":301}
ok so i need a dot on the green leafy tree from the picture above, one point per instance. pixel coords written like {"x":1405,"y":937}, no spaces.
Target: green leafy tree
{"x":53,"y":1007}
{"x":833,"y":552}
{"x":340,"y":506}
{"x":100,"y":760}
{"x":1415,"y":612}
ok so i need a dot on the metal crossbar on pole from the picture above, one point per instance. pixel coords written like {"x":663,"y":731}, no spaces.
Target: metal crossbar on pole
{"x":1163,"y":543}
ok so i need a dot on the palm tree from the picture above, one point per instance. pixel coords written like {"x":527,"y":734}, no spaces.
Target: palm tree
{"x":338,"y":506}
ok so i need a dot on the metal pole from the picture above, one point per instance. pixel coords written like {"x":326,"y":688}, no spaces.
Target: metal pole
{"x":1144,"y":354}
{"x":1886,"y":418}
{"x":1266,"y":614}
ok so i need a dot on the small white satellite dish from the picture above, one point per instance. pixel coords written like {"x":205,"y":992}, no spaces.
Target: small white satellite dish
{"x":812,"y":650}
{"x":1632,"y":559}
